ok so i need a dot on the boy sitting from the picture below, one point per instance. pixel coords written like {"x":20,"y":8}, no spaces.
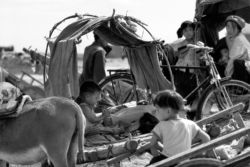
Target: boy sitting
{"x":90,"y":94}
{"x":173,"y":134}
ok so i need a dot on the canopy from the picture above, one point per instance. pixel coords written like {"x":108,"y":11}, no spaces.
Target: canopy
{"x":142,"y":54}
{"x":211,"y":14}
{"x":108,"y":27}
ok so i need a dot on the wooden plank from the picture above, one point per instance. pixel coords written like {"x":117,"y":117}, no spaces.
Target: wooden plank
{"x":223,"y":113}
{"x":239,"y":120}
{"x":202,"y":148}
{"x":112,"y":150}
{"x":117,"y":159}
{"x":240,"y":160}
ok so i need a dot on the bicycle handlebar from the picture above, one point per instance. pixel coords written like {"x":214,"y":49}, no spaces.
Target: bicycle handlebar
{"x":200,"y":47}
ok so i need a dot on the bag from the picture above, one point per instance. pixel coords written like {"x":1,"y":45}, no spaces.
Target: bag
{"x":147,"y":123}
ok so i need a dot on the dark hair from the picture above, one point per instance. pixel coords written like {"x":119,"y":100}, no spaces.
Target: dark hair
{"x":184,"y":25}
{"x":96,"y":37}
{"x":89,"y":87}
{"x":169,"y":98}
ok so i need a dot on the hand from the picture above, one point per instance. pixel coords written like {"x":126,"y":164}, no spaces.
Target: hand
{"x":105,"y":113}
{"x":113,"y":109}
{"x":223,"y":62}
{"x":199,"y":43}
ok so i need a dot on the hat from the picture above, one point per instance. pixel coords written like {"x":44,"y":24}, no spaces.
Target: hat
{"x":241,"y":22}
{"x":183,"y":26}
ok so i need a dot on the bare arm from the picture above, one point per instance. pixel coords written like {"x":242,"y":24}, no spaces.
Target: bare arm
{"x":156,"y":146}
{"x":203,"y":136}
{"x":91,"y":116}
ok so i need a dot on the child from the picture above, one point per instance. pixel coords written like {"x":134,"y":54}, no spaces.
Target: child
{"x":224,"y":53}
{"x":185,"y":80}
{"x":172,"y":135}
{"x":90,"y":94}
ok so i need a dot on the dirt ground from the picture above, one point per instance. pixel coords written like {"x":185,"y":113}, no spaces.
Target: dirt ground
{"x":134,"y":161}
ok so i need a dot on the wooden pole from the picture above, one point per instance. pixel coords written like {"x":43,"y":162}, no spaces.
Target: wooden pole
{"x":226,"y":112}
{"x":115,"y":149}
{"x":117,"y":159}
{"x":202,"y":148}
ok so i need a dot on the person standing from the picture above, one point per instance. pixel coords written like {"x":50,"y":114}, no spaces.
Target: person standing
{"x":94,"y":60}
{"x":185,"y":80}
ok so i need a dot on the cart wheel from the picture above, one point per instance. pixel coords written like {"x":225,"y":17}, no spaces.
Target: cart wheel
{"x":118,"y":89}
{"x":34,"y":92}
{"x":201,"y":162}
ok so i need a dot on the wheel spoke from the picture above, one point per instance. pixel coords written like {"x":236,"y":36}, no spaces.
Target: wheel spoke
{"x":213,"y":99}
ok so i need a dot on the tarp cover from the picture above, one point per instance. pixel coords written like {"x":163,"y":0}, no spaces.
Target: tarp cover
{"x":213,"y":13}
{"x":115,"y":34}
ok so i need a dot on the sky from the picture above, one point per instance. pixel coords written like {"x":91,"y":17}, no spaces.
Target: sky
{"x":26,"y":23}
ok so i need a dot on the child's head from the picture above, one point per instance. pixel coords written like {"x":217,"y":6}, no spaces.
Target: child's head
{"x":168,"y":103}
{"x":187,"y":30}
{"x":234,"y":25}
{"x":224,"y":53}
{"x":90,"y":92}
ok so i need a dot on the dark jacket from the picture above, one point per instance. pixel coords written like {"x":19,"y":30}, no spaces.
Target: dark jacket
{"x":93,"y":63}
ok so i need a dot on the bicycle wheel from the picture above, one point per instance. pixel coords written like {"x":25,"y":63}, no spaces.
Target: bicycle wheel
{"x":212,"y":100}
{"x":118,"y":89}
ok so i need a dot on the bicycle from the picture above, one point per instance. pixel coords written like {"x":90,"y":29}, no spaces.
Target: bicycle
{"x":119,"y":87}
{"x":216,"y":93}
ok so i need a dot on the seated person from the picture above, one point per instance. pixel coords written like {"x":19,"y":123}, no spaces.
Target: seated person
{"x":239,"y":49}
{"x":172,"y":135}
{"x":90,"y":94}
{"x":185,"y":80}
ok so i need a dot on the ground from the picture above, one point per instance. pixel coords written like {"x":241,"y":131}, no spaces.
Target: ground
{"x":135,"y":161}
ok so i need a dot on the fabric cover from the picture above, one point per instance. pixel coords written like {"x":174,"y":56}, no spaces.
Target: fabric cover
{"x":143,"y":59}
{"x":145,"y":67}
{"x":63,"y":66}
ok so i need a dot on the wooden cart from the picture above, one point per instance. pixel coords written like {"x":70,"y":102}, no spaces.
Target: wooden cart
{"x":197,"y":149}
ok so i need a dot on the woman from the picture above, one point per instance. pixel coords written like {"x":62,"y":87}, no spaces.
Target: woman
{"x":239,"y":49}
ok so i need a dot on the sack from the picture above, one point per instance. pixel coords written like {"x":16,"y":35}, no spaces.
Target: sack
{"x":147,"y":123}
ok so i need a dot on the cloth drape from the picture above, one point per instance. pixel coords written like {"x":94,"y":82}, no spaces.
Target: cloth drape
{"x":143,"y":60}
{"x":144,"y":64}
{"x":63,"y":64}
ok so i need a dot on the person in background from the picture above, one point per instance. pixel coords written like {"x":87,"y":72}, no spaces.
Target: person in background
{"x":94,"y":60}
{"x":239,"y":50}
{"x":172,"y":135}
{"x":185,"y":80}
